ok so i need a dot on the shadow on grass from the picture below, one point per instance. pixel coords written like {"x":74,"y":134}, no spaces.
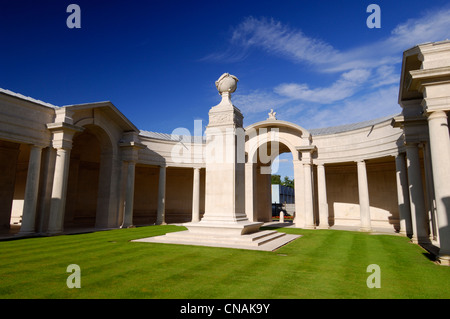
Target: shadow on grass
{"x":431,"y":257}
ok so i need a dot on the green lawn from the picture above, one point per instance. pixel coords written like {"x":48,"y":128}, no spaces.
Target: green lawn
{"x":321,"y":264}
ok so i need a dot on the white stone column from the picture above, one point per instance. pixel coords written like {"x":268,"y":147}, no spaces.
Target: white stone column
{"x":130,"y":145}
{"x":299,"y":186}
{"x":129,"y":196}
{"x":416,"y":194}
{"x":59,"y":192}
{"x":63,"y":132}
{"x":250,"y":192}
{"x":440,"y":160}
{"x":161,"y":213}
{"x":322,"y":196}
{"x":31,"y":191}
{"x":403,"y":195}
{"x":429,"y":196}
{"x":363,"y":191}
{"x":196,"y":196}
{"x":309,"y":208}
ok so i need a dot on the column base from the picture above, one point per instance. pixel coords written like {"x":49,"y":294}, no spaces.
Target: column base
{"x":224,"y":229}
{"x":403,"y":233}
{"x":420,"y":240}
{"x":25,"y":234}
{"x":365,"y":229}
{"x":49,"y":234}
{"x":444,"y":260}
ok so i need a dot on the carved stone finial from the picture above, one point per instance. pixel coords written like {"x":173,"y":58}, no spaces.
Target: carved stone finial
{"x":226,"y":83}
{"x":272,"y":115}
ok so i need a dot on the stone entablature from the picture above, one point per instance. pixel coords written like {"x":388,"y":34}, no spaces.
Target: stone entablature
{"x":375,"y":141}
{"x":23,"y":120}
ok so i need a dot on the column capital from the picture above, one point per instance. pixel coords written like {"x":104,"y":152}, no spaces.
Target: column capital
{"x":63,"y":134}
{"x":400,"y":157}
{"x":435,"y":104}
{"x":431,"y":115}
{"x":38,"y":146}
{"x":306,"y":152}
{"x":412,"y":144}
{"x":130,"y":150}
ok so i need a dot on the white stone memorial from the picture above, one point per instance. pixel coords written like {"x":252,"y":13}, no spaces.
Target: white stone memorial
{"x":225,"y":223}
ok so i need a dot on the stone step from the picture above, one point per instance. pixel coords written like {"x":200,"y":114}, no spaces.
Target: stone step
{"x":254,"y":239}
{"x":267,"y":240}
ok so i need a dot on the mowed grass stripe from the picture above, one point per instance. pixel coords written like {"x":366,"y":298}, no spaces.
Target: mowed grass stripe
{"x":309,"y":281}
{"x":51,"y":245}
{"x":104,"y":267}
{"x":321,"y":264}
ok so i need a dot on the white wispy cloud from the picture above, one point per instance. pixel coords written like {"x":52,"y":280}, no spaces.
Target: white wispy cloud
{"x":367,"y":75}
{"x":278,"y":39}
{"x":258,"y":100}
{"x":378,"y":103}
{"x":344,"y":87}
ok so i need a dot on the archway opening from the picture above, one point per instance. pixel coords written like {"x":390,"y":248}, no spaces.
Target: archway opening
{"x":272,"y":164}
{"x":92,"y":179}
{"x":13,"y":166}
{"x":83,"y":181}
{"x":282,"y":188}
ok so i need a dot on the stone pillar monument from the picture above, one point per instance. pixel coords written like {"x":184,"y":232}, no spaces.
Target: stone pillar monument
{"x":225,"y":223}
{"x":225,"y":168}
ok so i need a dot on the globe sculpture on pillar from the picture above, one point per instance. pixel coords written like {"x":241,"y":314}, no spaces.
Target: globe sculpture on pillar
{"x":226,"y":83}
{"x":225,"y":222}
{"x":225,"y":173}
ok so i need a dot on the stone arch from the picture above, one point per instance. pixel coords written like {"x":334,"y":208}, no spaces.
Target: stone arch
{"x":289,"y":137}
{"x":287,"y":133}
{"x":93,"y":177}
{"x":286,"y":147}
{"x":101,"y":131}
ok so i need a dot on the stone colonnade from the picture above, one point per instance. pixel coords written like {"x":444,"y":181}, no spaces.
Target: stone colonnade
{"x":419,"y":140}
{"x":411,"y":204}
{"x":305,"y":196}
{"x":161,"y":206}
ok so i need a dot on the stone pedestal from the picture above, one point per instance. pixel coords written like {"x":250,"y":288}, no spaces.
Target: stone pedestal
{"x":225,"y":169}
{"x":225,"y":222}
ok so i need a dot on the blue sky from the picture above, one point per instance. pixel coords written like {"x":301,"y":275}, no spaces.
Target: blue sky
{"x":316,"y":63}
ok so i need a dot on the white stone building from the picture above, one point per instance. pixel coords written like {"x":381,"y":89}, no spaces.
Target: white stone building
{"x":88,"y":166}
